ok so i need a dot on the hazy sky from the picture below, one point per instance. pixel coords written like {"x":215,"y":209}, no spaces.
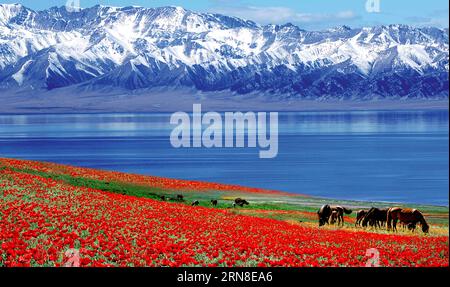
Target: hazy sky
{"x":308,"y":14}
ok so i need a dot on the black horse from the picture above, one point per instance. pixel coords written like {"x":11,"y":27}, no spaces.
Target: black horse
{"x":195,"y":203}
{"x":375,"y":217}
{"x":214,"y":202}
{"x":326,"y":211}
{"x":240,"y":202}
{"x":324,"y":214}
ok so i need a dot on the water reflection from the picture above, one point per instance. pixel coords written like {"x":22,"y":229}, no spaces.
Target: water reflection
{"x":400,"y":156}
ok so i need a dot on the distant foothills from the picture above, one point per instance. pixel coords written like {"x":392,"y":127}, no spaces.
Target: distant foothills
{"x":169,"y":57}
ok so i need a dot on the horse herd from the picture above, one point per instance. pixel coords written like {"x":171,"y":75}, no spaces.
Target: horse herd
{"x":374,"y":217}
{"x":331,"y":214}
{"x":237,"y":202}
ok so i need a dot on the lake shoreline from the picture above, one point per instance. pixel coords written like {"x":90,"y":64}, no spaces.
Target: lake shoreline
{"x":159,"y":102}
{"x":29,"y":166}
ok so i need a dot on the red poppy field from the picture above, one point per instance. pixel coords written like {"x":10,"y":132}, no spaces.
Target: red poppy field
{"x":43,"y":216}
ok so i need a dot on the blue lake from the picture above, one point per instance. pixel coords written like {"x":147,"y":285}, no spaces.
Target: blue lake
{"x":384,"y":156}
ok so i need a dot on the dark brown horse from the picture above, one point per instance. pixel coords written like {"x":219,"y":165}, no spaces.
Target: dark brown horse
{"x":340,"y":213}
{"x":408,"y":216}
{"x":324,"y":214}
{"x":326,"y":211}
{"x":180,"y":197}
{"x":240,"y":202}
{"x":375,"y":217}
{"x":214,"y":202}
{"x":359,"y":216}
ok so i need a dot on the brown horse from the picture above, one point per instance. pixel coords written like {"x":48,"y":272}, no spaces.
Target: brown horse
{"x":324,"y":214}
{"x":340,"y":213}
{"x":326,"y":211}
{"x":334,"y":217}
{"x":359,"y":216}
{"x":408,"y":216}
{"x":375,"y":217}
{"x":240,"y":202}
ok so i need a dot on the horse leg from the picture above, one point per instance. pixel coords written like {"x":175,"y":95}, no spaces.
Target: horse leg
{"x":414,"y":227}
{"x":389,"y":219}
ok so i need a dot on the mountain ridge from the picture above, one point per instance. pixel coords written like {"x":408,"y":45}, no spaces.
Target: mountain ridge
{"x":136,"y":49}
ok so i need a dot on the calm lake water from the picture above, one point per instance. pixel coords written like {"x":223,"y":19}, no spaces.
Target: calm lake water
{"x":383,"y":156}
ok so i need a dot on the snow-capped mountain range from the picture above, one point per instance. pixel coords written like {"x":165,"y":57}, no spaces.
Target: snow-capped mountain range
{"x":138,"y":49}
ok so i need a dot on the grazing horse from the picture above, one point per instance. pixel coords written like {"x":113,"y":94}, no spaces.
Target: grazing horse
{"x":214,"y":202}
{"x":195,"y":203}
{"x":340,"y":213}
{"x":375,"y":217}
{"x":180,"y":197}
{"x":240,"y":202}
{"x":324,"y":214}
{"x":163,"y":198}
{"x":359,"y":216}
{"x":408,"y":216}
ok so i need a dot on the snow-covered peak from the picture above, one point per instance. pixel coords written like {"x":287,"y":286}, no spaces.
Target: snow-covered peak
{"x":136,"y":47}
{"x":9,"y":11}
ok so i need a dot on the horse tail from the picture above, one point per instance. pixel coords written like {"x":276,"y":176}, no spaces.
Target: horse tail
{"x":347,"y":211}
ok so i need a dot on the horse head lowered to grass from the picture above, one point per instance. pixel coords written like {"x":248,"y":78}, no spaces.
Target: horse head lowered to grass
{"x":326,"y":211}
{"x":407,"y":216}
{"x":375,"y":217}
{"x":240,"y":202}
